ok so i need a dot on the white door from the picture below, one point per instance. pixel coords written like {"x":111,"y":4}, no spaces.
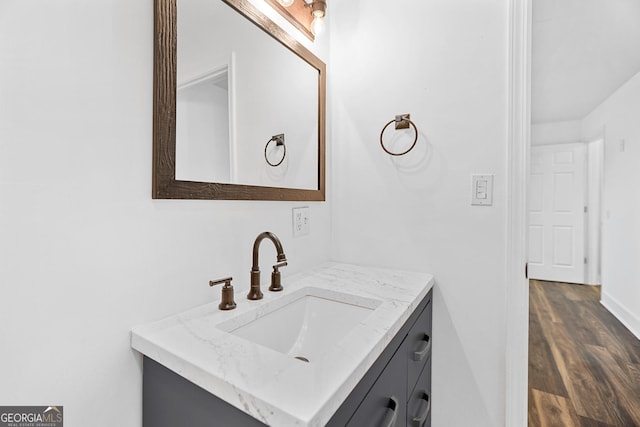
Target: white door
{"x":557,"y":197}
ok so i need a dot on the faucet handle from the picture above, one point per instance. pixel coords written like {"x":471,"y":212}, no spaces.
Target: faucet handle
{"x":227,"y":302}
{"x":226,"y":281}
{"x":276,"y":282}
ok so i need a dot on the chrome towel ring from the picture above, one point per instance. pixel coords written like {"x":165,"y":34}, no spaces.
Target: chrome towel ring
{"x":402,"y":121}
{"x":279,"y":139}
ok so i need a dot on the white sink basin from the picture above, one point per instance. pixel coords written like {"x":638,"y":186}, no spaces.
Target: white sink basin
{"x":304,"y":325}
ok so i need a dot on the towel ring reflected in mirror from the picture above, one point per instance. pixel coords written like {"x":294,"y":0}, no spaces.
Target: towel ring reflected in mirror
{"x":279,"y":140}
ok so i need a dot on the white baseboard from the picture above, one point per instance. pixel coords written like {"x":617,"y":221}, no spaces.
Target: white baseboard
{"x":626,"y":317}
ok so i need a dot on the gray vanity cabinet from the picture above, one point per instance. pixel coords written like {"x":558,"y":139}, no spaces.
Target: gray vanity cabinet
{"x":384,"y":404}
{"x":419,"y":346}
{"x":419,"y":405}
{"x":395,"y":392}
{"x":397,"y":389}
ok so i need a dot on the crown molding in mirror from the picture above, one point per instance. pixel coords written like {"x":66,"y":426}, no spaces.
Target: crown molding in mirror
{"x":165,"y":185}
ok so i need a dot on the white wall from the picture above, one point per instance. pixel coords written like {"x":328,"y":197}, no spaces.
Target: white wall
{"x":618,"y":115}
{"x":556,"y":132}
{"x":444,"y":62}
{"x":85,"y":253}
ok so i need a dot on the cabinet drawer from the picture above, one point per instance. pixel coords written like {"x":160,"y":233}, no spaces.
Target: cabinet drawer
{"x":386,"y":402}
{"x":419,"y":346}
{"x":419,"y":404}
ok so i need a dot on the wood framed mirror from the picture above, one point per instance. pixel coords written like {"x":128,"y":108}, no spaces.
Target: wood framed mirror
{"x":239,"y":106}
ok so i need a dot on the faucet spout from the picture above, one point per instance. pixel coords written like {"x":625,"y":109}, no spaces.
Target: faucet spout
{"x":256,"y":246}
{"x":255,"y":293}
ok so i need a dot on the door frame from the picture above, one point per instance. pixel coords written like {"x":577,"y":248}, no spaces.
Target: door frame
{"x":595,"y":186}
{"x":519,"y":131}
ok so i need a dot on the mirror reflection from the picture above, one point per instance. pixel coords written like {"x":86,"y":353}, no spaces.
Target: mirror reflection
{"x":237,"y":89}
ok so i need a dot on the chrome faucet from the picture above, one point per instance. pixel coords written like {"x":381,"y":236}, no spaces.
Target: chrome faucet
{"x":255,"y":293}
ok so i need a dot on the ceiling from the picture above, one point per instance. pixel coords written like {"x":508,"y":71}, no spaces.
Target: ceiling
{"x":583,"y":50}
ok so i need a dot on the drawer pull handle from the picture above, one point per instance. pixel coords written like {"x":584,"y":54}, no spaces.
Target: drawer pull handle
{"x":419,"y":355}
{"x":392,"y":415}
{"x":423,"y":411}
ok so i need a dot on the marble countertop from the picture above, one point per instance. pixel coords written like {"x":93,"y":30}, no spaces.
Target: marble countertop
{"x":268,"y":385}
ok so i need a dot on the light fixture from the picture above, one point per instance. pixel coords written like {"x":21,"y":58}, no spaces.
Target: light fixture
{"x":306,"y":15}
{"x":317,"y":26}
{"x":318,"y":11}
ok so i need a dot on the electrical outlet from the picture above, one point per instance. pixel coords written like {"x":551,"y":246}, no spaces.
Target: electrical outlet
{"x":301,"y":221}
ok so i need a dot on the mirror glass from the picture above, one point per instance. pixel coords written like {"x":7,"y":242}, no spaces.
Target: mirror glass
{"x":237,"y":87}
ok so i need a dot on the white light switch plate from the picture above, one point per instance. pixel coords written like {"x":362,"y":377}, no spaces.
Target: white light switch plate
{"x":482,"y":190}
{"x":301,"y":221}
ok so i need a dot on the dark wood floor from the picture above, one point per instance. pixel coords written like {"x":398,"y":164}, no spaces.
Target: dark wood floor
{"x":584,"y":366}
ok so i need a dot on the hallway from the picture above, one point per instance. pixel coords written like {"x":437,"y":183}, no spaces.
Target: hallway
{"x":584,"y":366}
